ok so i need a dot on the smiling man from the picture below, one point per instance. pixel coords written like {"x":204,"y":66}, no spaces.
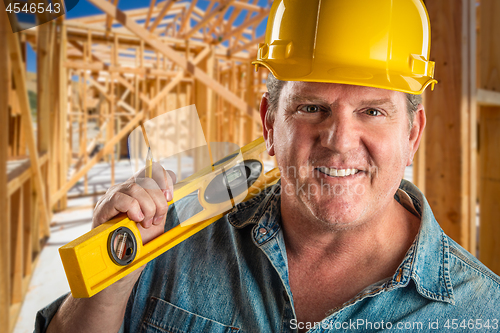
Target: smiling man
{"x":341,"y":243}
{"x":350,"y":145}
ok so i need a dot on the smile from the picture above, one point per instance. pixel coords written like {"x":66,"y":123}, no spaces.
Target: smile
{"x":338,"y":172}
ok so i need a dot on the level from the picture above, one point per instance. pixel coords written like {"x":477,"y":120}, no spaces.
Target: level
{"x":109,"y":252}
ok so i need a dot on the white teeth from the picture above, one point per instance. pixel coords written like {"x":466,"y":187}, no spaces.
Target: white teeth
{"x":338,"y":172}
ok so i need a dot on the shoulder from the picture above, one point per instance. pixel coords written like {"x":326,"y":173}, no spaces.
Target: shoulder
{"x":475,"y":287}
{"x":471,"y":264}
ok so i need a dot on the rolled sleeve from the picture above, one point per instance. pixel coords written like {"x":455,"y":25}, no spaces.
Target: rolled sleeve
{"x":45,"y":315}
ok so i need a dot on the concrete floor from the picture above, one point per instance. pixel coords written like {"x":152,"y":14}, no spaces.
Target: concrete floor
{"x":49,"y":280}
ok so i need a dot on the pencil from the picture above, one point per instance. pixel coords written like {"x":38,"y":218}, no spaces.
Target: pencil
{"x":149,"y":164}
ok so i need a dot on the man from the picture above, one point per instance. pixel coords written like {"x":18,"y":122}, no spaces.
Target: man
{"x":340,"y":243}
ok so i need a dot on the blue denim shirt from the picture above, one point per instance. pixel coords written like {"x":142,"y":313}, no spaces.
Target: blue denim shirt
{"x":233,"y":277}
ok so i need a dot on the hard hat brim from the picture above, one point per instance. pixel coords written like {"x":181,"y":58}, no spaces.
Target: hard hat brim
{"x":369,"y":77}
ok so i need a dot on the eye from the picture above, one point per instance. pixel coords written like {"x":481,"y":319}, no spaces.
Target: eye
{"x":373,"y":112}
{"x":310,"y":108}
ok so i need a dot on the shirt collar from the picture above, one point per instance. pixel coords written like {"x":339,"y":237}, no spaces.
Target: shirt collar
{"x":263,"y":211}
{"x":426,"y":262}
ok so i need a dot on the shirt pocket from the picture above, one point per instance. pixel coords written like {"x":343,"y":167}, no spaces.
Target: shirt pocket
{"x":164,"y":317}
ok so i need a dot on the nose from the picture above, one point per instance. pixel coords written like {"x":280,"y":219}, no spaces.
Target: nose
{"x":340,"y":134}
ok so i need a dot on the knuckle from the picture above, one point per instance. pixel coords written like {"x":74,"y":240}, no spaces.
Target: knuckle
{"x":148,"y":208}
{"x":162,"y":209}
{"x":132,"y":189}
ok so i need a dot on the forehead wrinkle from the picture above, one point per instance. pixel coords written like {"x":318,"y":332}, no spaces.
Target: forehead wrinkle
{"x":308,"y":99}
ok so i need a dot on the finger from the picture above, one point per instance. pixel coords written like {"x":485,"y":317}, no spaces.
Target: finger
{"x":170,"y":179}
{"x":165,"y":179}
{"x":156,"y":216}
{"x":115,"y":203}
{"x":143,"y":197}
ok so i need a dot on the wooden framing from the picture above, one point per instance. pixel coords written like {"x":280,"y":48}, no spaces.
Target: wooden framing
{"x":450,"y":139}
{"x":23,"y":177}
{"x":114,"y":70}
{"x":489,"y":133}
{"x":104,"y":59}
{"x":4,"y":142}
{"x":457,"y":163}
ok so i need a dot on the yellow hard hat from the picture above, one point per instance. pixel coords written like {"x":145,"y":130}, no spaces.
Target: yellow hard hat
{"x":383,"y":43}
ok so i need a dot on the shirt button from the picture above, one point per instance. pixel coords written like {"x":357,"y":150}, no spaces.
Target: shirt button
{"x":262,"y":231}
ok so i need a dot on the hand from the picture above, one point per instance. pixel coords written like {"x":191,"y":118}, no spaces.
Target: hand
{"x":144,"y":200}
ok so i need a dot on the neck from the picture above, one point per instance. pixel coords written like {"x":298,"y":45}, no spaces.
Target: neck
{"x":387,"y":234}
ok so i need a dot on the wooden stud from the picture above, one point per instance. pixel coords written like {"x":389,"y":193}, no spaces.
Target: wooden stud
{"x":109,"y":19}
{"x":16,"y":241}
{"x":489,"y":161}
{"x":150,"y":11}
{"x":169,"y":52}
{"x":489,"y":188}
{"x":27,"y":229}
{"x":5,"y":30}
{"x":167,"y":5}
{"x":448,"y":164}
{"x":19,"y":78}
{"x":105,"y":150}
{"x":490,"y":48}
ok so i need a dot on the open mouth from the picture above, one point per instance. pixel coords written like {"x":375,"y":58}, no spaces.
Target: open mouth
{"x":338,"y":172}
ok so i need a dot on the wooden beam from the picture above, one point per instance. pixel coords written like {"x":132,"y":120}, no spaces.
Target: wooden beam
{"x":44,"y":70}
{"x":238,"y":30}
{"x":97,"y":157}
{"x":489,"y":228}
{"x":488,"y":97}
{"x":254,"y":43}
{"x":168,"y":4}
{"x":489,"y":129}
{"x":182,"y":62}
{"x":247,"y":6}
{"x":79,"y":47}
{"x":177,"y":79}
{"x":5,"y":74}
{"x":123,"y":81}
{"x":97,"y":67}
{"x":136,"y":14}
{"x":109,"y":96}
{"x":18,"y":72}
{"x":229,"y":23}
{"x":63,"y":111}
{"x":223,"y":6}
{"x":157,"y":99}
{"x":490,"y":47}
{"x":450,"y":172}
{"x":150,"y":11}
{"x":16,"y":246}
{"x":109,"y":19}
{"x":27,"y":230}
{"x":186,"y":18}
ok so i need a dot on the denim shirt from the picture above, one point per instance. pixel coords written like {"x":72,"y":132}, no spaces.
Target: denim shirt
{"x":233,"y":277}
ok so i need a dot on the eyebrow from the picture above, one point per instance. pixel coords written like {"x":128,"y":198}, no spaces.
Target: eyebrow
{"x":385,"y":102}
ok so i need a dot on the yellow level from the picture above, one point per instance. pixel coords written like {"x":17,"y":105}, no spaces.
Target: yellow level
{"x":114,"y":249}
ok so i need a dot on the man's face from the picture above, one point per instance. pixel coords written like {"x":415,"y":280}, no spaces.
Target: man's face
{"x":342,"y":149}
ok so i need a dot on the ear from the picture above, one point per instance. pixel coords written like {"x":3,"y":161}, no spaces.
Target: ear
{"x":267,"y":125}
{"x":416,"y":132}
